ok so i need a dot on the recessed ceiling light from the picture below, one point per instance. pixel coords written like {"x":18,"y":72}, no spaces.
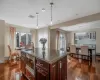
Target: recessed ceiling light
{"x":76,"y":14}
{"x":43,"y":10}
{"x":31,"y":16}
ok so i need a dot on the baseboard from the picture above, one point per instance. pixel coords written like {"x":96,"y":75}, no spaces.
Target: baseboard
{"x":1,"y":61}
{"x":4,"y":59}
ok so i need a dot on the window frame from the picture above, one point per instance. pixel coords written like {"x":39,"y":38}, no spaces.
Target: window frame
{"x":20,"y":37}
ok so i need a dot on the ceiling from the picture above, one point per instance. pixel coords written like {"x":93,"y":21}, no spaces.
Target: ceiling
{"x":17,"y":11}
{"x":83,"y":26}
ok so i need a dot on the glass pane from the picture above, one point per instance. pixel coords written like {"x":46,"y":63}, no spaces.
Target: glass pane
{"x":17,"y":39}
{"x":23,"y":40}
{"x":29,"y":38}
{"x":62,"y":42}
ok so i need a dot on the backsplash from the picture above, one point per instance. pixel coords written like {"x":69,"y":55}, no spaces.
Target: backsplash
{"x":86,"y":41}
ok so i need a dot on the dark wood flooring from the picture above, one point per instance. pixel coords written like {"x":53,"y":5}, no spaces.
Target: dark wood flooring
{"x":77,"y":70}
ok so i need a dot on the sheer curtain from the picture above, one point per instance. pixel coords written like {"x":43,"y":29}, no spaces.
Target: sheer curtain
{"x":62,"y":41}
{"x":12,"y":37}
{"x":57,"y":39}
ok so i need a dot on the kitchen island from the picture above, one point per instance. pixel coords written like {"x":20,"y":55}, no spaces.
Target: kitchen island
{"x":44,"y":65}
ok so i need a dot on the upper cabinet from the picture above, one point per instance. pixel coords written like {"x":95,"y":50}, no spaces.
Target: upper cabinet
{"x":85,"y":38}
{"x":85,"y":35}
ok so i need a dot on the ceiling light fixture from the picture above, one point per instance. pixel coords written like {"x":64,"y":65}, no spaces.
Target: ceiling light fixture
{"x":31,"y":16}
{"x":43,"y":10}
{"x":37,"y":14}
{"x":51,"y":4}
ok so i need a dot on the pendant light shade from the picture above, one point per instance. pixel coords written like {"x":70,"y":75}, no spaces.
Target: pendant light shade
{"x":37,"y":14}
{"x":51,"y":5}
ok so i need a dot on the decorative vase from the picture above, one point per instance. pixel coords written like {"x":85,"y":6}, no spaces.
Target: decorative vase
{"x":43,"y":41}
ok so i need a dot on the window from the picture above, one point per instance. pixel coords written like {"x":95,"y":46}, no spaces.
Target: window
{"x":17,"y":39}
{"x":29,"y":38}
{"x":22,"y":39}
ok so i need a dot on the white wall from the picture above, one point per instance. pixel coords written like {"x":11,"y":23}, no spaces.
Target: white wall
{"x":53,"y":39}
{"x":34,"y":37}
{"x":7,"y":40}
{"x":42,"y":33}
{"x":19,"y":28}
{"x":2,"y":39}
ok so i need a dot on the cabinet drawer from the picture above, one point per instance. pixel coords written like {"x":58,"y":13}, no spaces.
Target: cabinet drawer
{"x":42,"y":64}
{"x":29,"y":75}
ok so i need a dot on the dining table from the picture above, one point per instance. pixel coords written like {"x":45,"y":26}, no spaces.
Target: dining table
{"x":90,"y":50}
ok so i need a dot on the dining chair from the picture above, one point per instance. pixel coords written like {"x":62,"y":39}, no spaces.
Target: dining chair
{"x":97,"y":56}
{"x":13,"y":56}
{"x":73,"y":50}
{"x":85,"y":53}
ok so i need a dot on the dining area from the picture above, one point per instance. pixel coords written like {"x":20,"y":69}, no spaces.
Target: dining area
{"x":83,"y":52}
{"x":84,"y":46}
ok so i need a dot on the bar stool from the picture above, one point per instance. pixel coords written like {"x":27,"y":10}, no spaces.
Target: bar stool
{"x":85,"y":53}
{"x":73,"y":52}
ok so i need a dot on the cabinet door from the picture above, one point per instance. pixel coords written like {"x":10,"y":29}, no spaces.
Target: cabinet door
{"x":54,"y":75}
{"x":29,"y":75}
{"x":62,"y":69}
{"x":41,"y":74}
{"x":23,"y":65}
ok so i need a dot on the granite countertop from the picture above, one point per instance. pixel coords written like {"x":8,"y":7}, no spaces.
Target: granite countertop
{"x":49,"y":56}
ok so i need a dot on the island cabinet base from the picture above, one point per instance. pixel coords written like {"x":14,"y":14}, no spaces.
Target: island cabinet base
{"x":29,"y":75}
{"x":54,"y":71}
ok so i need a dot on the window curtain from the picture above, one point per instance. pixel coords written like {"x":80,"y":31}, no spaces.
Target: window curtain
{"x":57,"y":39}
{"x":12,"y":38}
{"x":61,"y":40}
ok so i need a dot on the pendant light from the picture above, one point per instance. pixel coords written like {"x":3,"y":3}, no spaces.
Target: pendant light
{"x":37,"y":14}
{"x":51,"y":5}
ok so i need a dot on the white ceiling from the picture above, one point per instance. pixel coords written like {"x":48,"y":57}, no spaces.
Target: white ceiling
{"x":83,"y":26}
{"x":17,"y":11}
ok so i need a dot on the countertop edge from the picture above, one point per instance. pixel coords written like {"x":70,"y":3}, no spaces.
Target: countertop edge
{"x":50,"y":62}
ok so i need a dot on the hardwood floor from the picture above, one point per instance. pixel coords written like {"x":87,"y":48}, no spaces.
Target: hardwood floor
{"x":76,"y":70}
{"x":8,"y":72}
{"x":81,"y":70}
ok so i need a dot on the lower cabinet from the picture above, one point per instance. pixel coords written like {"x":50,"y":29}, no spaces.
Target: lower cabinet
{"x":55,"y":71}
{"x":62,"y":69}
{"x":41,"y":75}
{"x":23,"y":65}
{"x":29,"y":75}
{"x":44,"y":70}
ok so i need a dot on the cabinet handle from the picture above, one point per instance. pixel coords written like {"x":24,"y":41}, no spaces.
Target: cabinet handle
{"x":53,"y":66}
{"x":29,"y":76}
{"x":65,"y":77}
{"x":60,"y":64}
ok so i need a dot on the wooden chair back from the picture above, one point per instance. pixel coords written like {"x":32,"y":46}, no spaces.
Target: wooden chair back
{"x":84,"y":50}
{"x":9,"y":49}
{"x":72,"y":49}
